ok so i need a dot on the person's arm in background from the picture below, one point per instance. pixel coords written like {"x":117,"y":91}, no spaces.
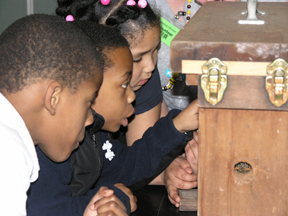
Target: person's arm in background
{"x":164,"y":109}
{"x":141,"y":123}
{"x":147,"y":108}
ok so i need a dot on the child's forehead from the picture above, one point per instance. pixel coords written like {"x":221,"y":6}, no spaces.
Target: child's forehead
{"x":145,"y":36}
{"x":146,"y":45}
{"x":120,"y":60}
{"x":118,"y":53}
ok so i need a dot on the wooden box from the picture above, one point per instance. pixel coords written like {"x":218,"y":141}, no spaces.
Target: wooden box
{"x":243,"y":149}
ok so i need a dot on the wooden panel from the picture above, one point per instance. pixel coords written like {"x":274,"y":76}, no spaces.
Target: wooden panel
{"x":192,"y":79}
{"x":243,"y":92}
{"x":233,"y":67}
{"x":258,"y":138}
{"x":193,"y":68}
{"x":214,"y":32}
{"x":189,"y":200}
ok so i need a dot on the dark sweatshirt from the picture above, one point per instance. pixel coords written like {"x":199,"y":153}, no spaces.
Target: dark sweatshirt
{"x":133,"y":166}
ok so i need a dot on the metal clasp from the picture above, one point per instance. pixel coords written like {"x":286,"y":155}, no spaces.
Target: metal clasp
{"x":214,"y":80}
{"x":251,"y":11}
{"x":276,"y":82}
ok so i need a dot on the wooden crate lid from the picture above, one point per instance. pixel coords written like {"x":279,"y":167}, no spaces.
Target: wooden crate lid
{"x":214,"y":32}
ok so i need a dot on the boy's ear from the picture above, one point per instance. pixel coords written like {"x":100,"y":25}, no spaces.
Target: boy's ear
{"x":52,"y":96}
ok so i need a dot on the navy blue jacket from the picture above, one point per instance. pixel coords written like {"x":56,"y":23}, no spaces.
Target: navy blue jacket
{"x":133,"y":166}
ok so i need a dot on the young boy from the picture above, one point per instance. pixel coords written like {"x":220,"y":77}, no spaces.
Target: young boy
{"x":51,"y":194}
{"x":49,"y":75}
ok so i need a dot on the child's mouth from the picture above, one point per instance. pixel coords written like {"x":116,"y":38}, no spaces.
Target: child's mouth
{"x":142,"y":82}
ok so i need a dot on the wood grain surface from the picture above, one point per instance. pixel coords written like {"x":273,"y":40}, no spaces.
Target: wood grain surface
{"x":258,"y":138}
{"x":214,"y":32}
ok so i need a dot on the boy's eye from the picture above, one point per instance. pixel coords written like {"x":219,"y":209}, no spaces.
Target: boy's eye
{"x":137,"y":60}
{"x":125,"y":85}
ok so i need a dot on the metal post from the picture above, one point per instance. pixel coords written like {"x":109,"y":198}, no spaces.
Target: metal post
{"x":30,"y":7}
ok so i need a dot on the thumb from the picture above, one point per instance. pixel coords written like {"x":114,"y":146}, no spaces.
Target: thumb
{"x":102,"y":192}
{"x":105,"y":192}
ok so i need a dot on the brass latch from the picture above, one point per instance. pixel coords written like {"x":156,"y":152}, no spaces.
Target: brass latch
{"x":214,"y":80}
{"x":276,"y":82}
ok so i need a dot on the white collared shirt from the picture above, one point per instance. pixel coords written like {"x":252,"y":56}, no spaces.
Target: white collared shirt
{"x":18,"y":160}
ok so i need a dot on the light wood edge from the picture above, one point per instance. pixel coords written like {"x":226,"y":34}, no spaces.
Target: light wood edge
{"x":189,"y":199}
{"x":233,"y":67}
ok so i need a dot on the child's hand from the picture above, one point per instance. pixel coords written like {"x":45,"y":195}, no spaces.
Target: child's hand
{"x":129,"y":193}
{"x":178,"y":176}
{"x":191,"y":152}
{"x":105,"y":202}
{"x":187,"y":120}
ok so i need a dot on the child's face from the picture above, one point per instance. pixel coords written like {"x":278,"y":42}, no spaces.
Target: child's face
{"x":144,"y":57}
{"x":72,"y":115}
{"x":115,"y":95}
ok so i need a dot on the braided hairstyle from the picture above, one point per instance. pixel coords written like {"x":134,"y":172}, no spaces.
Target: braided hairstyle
{"x":130,"y":21}
{"x":39,"y":47}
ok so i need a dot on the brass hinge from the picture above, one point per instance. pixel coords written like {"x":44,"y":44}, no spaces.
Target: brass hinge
{"x":276,"y":82}
{"x":214,"y":80}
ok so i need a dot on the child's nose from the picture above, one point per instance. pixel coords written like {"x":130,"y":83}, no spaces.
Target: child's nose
{"x":131,"y":95}
{"x":150,"y":65}
{"x":90,"y":118}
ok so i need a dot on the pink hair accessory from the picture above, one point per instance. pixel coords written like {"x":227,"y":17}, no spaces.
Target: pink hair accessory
{"x":69,"y":18}
{"x":105,"y":2}
{"x":142,"y":3}
{"x":131,"y":3}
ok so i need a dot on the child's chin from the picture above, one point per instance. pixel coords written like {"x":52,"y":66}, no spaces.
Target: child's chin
{"x":59,"y":159}
{"x":115,"y":129}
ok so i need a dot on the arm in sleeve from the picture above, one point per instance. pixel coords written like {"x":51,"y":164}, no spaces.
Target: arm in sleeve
{"x":137,"y":165}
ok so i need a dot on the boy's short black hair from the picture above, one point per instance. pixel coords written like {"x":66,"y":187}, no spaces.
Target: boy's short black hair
{"x":103,"y":36}
{"x":39,"y":47}
{"x":106,"y":38}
